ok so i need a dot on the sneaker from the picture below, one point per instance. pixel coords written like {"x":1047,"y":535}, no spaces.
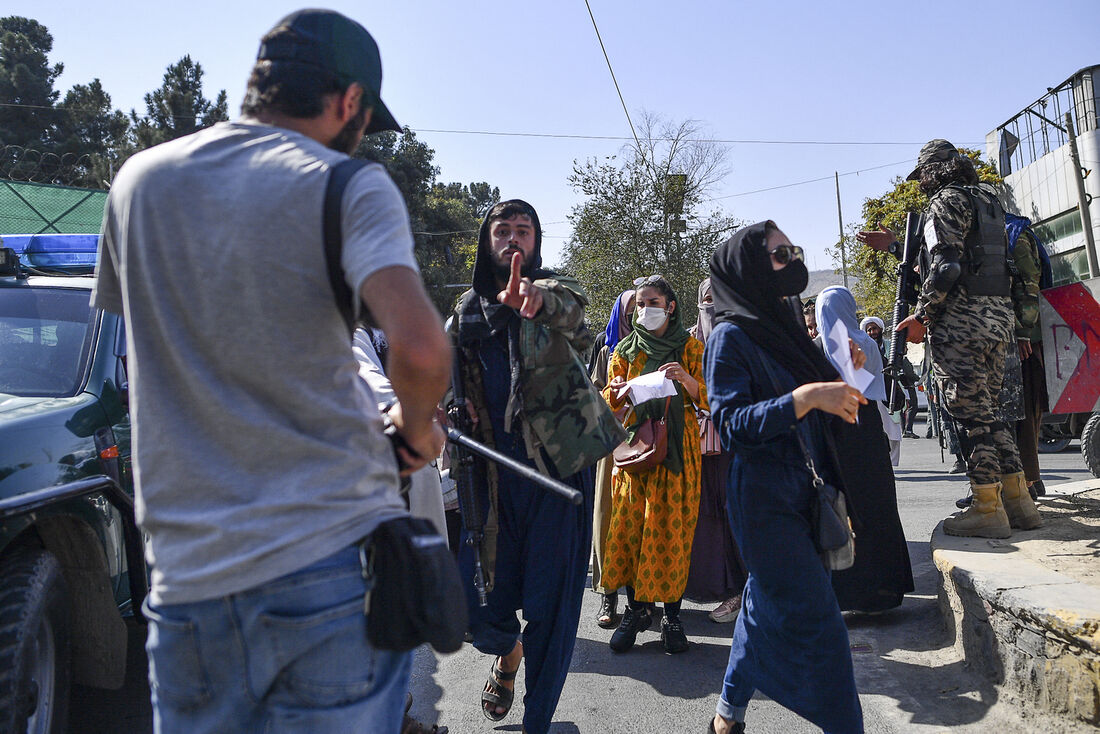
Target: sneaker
{"x":909,"y":434}
{"x":672,"y":636}
{"x":1038,"y":488}
{"x":727,"y":611}
{"x":959,"y":467}
{"x":608,"y":616}
{"x":965,"y":502}
{"x":633,"y":622}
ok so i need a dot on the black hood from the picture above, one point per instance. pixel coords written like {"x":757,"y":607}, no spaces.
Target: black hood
{"x":484,"y":280}
{"x":743,"y":284}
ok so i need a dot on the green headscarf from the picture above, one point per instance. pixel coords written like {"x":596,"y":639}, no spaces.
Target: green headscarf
{"x":660,"y":350}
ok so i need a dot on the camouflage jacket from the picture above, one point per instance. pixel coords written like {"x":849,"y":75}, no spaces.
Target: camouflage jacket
{"x":564,"y":418}
{"x":954,"y":315}
{"x":1029,"y":268}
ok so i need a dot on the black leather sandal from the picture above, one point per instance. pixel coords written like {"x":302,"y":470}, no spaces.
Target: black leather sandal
{"x":498,"y":695}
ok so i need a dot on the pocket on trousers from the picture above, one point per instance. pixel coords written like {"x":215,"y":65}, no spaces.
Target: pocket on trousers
{"x":324,"y":657}
{"x":176,"y":672}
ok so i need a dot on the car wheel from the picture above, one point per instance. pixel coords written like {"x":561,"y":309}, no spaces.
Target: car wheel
{"x":1051,"y":442}
{"x":1090,"y":444}
{"x":34,"y":644}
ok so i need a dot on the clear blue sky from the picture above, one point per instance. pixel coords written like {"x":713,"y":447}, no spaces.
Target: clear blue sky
{"x":881,"y":72}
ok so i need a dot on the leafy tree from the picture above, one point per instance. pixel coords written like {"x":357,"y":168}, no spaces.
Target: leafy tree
{"x":647,"y":214}
{"x":178,"y":107}
{"x":445,"y":217}
{"x":26,"y":82}
{"x":93,"y":132}
{"x":877,"y":271}
{"x":27,"y":91}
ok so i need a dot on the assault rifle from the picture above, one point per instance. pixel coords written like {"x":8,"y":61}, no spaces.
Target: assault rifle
{"x":905,"y":296}
{"x":462,"y":472}
{"x":934,"y":419}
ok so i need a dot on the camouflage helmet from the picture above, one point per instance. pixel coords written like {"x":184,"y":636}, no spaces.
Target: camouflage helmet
{"x":933,"y":151}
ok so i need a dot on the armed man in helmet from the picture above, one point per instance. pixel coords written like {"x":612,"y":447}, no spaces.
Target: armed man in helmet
{"x":965,"y":304}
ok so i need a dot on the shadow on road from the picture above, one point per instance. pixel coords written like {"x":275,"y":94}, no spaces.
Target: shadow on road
{"x":911,"y":658}
{"x":129,"y":710}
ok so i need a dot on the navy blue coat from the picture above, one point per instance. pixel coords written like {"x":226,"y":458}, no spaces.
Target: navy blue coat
{"x":790,"y":641}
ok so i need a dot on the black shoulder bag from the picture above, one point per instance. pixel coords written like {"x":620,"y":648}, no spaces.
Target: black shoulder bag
{"x":414,"y":593}
{"x":833,"y":534}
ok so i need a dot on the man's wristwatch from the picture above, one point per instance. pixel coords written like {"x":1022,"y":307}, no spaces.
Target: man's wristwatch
{"x":894,"y":249}
{"x":921,"y":318}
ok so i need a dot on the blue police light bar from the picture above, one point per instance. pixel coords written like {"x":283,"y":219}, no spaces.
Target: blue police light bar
{"x":54,"y":250}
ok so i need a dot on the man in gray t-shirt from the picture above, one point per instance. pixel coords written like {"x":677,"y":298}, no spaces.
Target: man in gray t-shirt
{"x":260,"y":460}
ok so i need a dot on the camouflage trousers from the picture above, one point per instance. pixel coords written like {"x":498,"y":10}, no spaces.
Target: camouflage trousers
{"x":970,"y":375}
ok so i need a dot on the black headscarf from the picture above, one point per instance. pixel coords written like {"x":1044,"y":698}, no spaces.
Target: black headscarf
{"x":481,"y":315}
{"x":745,"y":293}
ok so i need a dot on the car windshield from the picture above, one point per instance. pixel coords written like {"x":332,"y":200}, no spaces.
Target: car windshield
{"x":45,"y":336}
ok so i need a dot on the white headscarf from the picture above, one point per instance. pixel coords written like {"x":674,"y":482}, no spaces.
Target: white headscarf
{"x":836,"y":303}
{"x":871,"y":320}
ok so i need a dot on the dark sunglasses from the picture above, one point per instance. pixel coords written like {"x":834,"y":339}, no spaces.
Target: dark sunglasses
{"x":647,"y":280}
{"x":785,"y":253}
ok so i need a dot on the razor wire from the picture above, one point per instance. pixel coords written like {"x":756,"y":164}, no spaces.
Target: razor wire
{"x":29,"y":165}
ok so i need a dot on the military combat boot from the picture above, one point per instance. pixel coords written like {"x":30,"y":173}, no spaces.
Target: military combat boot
{"x":1019,"y":507}
{"x":985,"y":518}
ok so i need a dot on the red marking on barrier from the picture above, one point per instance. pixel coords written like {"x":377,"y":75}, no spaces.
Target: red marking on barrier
{"x":1079,"y":309}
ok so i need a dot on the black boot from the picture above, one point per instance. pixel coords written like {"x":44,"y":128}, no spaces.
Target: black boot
{"x":608,"y":616}
{"x":634,"y":620}
{"x":672,"y":635}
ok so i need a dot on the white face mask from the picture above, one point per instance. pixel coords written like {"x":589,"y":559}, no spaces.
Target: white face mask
{"x":651,"y":317}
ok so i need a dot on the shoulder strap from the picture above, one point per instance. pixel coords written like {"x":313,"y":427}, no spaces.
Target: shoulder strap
{"x":338,"y":178}
{"x":818,"y":481}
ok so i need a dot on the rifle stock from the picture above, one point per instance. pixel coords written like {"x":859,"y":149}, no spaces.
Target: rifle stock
{"x":905,"y":296}
{"x":462,"y":471}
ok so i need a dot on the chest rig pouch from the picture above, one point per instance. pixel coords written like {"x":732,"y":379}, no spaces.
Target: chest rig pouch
{"x":985,"y":267}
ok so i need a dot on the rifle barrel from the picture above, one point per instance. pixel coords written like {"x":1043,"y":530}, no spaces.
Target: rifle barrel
{"x":559,"y":488}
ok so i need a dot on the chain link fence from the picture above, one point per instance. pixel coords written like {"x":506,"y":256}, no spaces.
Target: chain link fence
{"x":36,"y":208}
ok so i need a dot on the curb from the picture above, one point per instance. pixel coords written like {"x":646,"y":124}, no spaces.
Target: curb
{"x":1028,"y":628}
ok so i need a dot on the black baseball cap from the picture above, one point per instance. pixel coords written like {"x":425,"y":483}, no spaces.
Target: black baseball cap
{"x":331,"y":41}
{"x":931,"y":152}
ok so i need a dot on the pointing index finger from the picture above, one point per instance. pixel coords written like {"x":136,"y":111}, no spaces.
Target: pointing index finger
{"x":516,"y":276}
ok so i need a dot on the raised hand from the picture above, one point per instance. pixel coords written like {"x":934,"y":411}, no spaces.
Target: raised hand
{"x":829,"y":397}
{"x":520,"y":293}
{"x":879,"y":239}
{"x":916,"y":330}
{"x":859,"y":358}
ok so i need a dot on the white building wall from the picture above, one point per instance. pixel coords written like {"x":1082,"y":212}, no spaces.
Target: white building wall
{"x":1044,"y":188}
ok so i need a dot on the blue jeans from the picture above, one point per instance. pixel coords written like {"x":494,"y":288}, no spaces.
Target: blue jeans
{"x":290,"y":655}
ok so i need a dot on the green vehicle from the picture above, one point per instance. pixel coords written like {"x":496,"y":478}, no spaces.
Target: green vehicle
{"x":71,"y":563}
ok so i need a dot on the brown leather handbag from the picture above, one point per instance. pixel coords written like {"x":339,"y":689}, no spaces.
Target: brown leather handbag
{"x":649,"y":446}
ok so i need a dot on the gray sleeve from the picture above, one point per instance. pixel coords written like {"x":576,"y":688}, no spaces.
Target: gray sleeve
{"x":376,"y":227}
{"x":107,"y":291}
{"x":370,"y":369}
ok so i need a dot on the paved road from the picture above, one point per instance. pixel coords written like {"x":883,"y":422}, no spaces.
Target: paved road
{"x":909,"y":680}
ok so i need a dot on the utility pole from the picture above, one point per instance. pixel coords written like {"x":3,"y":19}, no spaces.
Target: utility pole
{"x":1082,"y":199}
{"x":840,"y":218}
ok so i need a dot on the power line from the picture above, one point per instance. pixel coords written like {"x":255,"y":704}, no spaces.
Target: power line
{"x":723,"y":141}
{"x":471,"y":231}
{"x":572,"y":136}
{"x":811,"y":180}
{"x":613,"y":79}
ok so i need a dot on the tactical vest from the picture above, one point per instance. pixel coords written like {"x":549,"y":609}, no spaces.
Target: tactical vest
{"x":985,"y":266}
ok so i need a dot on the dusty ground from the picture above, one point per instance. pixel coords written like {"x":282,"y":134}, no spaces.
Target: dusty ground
{"x":1069,"y":541}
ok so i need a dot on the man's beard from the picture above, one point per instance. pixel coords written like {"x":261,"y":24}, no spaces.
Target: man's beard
{"x":347,"y":140}
{"x":504,"y":270}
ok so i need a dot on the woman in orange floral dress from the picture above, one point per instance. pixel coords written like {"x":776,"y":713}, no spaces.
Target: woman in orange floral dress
{"x":654,"y":511}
